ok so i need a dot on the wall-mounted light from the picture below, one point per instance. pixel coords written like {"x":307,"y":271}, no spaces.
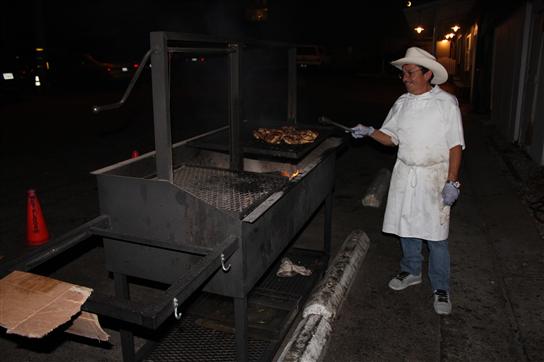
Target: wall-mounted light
{"x":449,"y":36}
{"x":419,"y":29}
{"x":455,"y":28}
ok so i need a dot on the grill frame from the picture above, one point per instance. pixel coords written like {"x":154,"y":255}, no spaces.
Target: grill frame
{"x":153,"y":236}
{"x":157,"y":211}
{"x":154,"y":232}
{"x":161,"y":43}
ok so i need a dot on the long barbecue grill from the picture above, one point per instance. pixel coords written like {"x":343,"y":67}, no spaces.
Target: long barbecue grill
{"x":211,"y":212}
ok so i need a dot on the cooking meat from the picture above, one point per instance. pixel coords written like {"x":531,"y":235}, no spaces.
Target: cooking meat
{"x":269,"y":135}
{"x":286,"y":134}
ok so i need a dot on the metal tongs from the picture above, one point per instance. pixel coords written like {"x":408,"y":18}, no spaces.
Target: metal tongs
{"x":325,"y":120}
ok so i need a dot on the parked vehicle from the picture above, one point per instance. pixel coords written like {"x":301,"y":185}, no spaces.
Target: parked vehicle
{"x":312,"y":56}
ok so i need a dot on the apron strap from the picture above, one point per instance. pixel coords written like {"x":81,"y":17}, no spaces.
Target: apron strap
{"x":412,"y":175}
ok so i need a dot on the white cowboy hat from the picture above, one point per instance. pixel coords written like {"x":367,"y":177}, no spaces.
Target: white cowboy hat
{"x":418,"y":56}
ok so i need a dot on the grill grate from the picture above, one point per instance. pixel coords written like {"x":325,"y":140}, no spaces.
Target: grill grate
{"x":237,"y":192}
{"x":192,"y":342}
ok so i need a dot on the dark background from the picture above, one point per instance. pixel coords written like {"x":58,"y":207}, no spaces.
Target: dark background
{"x":120,"y":29}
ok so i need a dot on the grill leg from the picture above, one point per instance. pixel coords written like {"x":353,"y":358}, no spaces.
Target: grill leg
{"x":328,"y":225}
{"x":127,"y":338}
{"x":240,"y":324}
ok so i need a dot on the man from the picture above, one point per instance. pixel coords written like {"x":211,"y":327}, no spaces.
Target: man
{"x":425,"y":123}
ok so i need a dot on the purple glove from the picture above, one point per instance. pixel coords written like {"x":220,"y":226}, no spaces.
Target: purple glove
{"x":361,"y":131}
{"x":450,"y":193}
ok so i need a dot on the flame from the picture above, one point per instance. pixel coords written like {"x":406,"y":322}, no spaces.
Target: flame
{"x":290,"y":175}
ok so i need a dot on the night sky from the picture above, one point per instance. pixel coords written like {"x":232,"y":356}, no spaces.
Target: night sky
{"x":119,"y":28}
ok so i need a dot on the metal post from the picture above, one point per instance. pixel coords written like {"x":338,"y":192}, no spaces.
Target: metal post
{"x":127,"y":338}
{"x":240,"y":325}
{"x":292,"y":85}
{"x":161,"y":105}
{"x":236,"y":161}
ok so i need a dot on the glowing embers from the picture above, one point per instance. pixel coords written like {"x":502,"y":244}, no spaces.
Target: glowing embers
{"x":291,"y":174}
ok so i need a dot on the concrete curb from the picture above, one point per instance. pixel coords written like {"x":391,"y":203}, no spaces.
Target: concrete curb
{"x":313,"y":332}
{"x":377,"y":189}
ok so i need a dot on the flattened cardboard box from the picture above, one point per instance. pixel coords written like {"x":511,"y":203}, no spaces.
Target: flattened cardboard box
{"x":33,"y":305}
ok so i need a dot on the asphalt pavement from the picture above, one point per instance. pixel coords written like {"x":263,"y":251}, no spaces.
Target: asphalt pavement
{"x":497,"y":252}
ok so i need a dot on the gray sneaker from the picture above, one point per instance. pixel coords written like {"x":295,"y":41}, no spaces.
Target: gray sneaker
{"x":403,"y":280}
{"x":442,"y":302}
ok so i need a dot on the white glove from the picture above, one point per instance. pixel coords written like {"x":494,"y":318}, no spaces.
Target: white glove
{"x":361,"y":131}
{"x":450,"y":193}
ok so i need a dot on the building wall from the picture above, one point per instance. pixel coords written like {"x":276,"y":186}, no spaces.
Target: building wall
{"x":532,"y":107}
{"x":507,"y":59}
{"x":443,"y":55}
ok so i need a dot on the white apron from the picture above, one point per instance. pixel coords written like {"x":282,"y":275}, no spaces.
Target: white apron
{"x":425,"y":127}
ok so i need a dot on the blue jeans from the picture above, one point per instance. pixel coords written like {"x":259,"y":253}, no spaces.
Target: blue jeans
{"x":439,"y":261}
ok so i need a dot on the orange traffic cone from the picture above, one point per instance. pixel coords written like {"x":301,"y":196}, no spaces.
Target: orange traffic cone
{"x":134,"y":154}
{"x":36,"y":229}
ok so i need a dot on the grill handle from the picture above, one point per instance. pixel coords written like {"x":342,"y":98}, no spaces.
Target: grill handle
{"x":54,"y":247}
{"x":107,"y":107}
{"x":152,"y":316}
